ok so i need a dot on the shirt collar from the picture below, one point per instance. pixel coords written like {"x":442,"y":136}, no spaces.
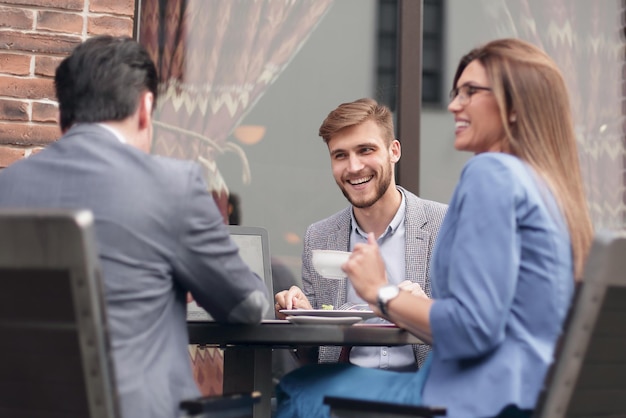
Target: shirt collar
{"x":397,"y":220}
{"x":114,"y":131}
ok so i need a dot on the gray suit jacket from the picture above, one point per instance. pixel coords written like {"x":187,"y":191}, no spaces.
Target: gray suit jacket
{"x":159,"y":235}
{"x":422,"y":221}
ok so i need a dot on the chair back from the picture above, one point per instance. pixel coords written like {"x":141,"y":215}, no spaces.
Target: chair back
{"x":54,"y":357}
{"x":588,"y":377}
{"x":350,"y":408}
{"x":237,"y":405}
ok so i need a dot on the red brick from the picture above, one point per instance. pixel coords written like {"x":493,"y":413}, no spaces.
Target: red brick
{"x":56,"y":4}
{"x":119,"y":7}
{"x":60,"y":22}
{"x":109,"y":25}
{"x":12,"y":133}
{"x":46,"y":66}
{"x":16,"y":18}
{"x":9,"y":155}
{"x":13,"y":110}
{"x":45,"y":112}
{"x":33,"y":42}
{"x":27,"y":88}
{"x":15,"y":64}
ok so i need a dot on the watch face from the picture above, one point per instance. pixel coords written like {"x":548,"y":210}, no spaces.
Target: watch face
{"x":386,"y":293}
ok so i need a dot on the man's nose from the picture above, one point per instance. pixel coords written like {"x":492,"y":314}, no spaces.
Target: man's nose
{"x":354,"y":163}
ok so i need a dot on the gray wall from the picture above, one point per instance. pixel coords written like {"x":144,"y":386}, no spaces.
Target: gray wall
{"x":440,"y":163}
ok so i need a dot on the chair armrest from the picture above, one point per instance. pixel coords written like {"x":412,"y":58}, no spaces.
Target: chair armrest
{"x":345,"y":407}
{"x":221,"y":405}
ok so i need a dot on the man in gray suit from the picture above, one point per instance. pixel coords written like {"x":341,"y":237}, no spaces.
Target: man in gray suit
{"x":363,"y":153}
{"x":159,"y":232}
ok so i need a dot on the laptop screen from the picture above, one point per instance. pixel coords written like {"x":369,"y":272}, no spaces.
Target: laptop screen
{"x":254,"y":249}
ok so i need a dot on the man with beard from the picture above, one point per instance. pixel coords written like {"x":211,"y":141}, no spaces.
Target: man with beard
{"x":363,"y":153}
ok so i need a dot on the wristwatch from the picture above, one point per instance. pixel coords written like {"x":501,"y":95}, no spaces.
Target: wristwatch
{"x":385,"y":295}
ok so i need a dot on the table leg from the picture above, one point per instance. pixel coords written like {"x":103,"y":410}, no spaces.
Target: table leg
{"x":249,"y":369}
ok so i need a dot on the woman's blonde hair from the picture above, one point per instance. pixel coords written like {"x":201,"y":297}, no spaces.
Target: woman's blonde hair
{"x":536,"y":115}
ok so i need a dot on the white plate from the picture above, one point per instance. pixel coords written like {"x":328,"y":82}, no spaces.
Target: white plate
{"x":327,"y":313}
{"x":346,"y":320}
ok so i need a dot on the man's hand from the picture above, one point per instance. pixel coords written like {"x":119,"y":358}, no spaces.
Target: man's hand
{"x":290,"y":299}
{"x":414,"y":288}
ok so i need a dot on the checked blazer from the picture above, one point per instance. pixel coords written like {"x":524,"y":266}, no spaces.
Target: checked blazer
{"x":422,"y":221}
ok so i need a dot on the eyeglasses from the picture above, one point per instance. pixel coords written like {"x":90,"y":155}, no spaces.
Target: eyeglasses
{"x":465,"y":93}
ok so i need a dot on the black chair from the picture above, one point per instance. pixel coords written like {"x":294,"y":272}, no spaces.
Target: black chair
{"x":55,"y":359}
{"x":588,"y":377}
{"x":226,"y":406}
{"x":350,"y":408}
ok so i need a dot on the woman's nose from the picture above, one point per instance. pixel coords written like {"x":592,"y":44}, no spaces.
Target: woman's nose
{"x":454,"y":105}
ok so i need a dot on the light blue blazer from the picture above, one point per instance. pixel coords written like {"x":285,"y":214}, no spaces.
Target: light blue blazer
{"x":502,"y":279}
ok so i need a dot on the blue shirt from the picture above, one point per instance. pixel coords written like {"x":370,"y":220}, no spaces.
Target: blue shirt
{"x":502,"y":280}
{"x":392,"y":248}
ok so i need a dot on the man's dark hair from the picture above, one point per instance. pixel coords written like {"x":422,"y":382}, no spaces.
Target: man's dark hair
{"x":102,"y":80}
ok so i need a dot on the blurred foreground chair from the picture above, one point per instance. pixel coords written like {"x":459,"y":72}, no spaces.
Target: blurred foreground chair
{"x":351,"y":408}
{"x":588,"y":377}
{"x":55,"y":359}
{"x":224,"y":406}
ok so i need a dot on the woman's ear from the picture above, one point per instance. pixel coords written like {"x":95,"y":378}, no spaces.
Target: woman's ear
{"x":513,"y":117}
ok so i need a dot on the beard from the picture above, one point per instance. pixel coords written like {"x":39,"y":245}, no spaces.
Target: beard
{"x":382,"y":185}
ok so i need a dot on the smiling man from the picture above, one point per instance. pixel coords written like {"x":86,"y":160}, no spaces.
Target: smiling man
{"x":363,"y":153}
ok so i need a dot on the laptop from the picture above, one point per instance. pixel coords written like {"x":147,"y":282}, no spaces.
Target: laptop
{"x":253,"y":243}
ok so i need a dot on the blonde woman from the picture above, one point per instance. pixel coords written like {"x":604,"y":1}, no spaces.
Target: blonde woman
{"x":512,"y":244}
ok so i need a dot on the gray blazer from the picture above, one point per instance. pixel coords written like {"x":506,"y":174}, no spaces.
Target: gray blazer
{"x":422,"y":221}
{"x":159,"y":235}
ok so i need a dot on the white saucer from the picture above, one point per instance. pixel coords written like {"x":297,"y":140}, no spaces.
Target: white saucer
{"x":317,"y":320}
{"x":328,"y":313}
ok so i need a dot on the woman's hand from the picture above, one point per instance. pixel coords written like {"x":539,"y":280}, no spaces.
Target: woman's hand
{"x":366,"y":269}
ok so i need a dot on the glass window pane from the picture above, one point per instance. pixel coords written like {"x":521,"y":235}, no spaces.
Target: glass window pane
{"x":245,"y":86}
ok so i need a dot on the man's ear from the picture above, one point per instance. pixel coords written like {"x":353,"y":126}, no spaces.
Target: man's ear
{"x":146,"y":101}
{"x":143,"y":117}
{"x":395,"y":151}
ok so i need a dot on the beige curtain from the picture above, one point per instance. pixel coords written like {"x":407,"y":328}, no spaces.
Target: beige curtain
{"x":585,"y":39}
{"x":215,"y":59}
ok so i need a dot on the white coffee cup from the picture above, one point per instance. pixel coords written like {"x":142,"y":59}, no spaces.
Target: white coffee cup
{"x":328,"y":263}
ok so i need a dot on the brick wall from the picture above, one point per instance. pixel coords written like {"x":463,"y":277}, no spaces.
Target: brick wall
{"x":35,"y":35}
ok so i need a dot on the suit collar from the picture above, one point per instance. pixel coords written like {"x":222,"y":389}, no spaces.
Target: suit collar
{"x":415,"y":220}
